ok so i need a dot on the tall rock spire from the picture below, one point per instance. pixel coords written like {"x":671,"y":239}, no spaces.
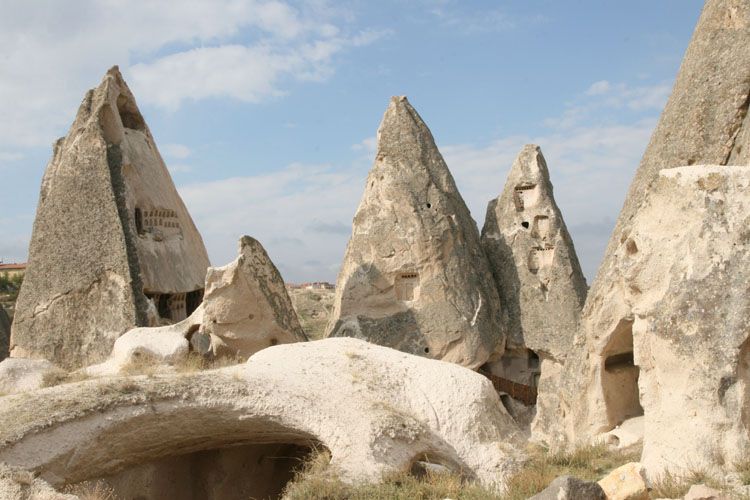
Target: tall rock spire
{"x":705,"y":125}
{"x":112,"y":238}
{"x":538,"y":278}
{"x":415,"y":276}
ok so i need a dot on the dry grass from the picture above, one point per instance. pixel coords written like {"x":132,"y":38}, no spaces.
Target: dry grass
{"x":195,"y":362}
{"x":58,"y":376}
{"x":670,"y":485}
{"x":589,"y":463}
{"x":743,"y":470}
{"x":91,"y":490}
{"x":141,"y":364}
{"x":316,"y":481}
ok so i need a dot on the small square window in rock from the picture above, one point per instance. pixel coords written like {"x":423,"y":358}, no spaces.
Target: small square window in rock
{"x":407,"y":286}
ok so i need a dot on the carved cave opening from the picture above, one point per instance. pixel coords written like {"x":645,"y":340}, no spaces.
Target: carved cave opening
{"x":175,"y":307}
{"x":525,"y":196}
{"x":407,"y":286}
{"x":541,"y":227}
{"x":540,"y":257}
{"x":129,"y":115}
{"x":619,"y":376}
{"x":234,"y":473}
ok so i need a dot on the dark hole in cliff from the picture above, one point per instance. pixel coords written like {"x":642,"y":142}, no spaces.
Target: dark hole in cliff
{"x":427,"y":350}
{"x":525,"y":224}
{"x":429,"y":205}
{"x":139,"y":221}
{"x":259,"y":471}
{"x":193,"y":300}
{"x":619,"y":376}
{"x":129,"y":115}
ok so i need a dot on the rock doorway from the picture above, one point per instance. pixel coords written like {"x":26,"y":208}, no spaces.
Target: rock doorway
{"x":619,"y":376}
{"x":259,"y":471}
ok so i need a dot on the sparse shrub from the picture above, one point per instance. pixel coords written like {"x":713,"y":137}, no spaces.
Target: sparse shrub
{"x":743,"y":470}
{"x":58,"y":376}
{"x":589,"y":463}
{"x":195,"y":362}
{"x":317,"y":481}
{"x":141,"y":363}
{"x":672,"y":485}
{"x":91,"y":490}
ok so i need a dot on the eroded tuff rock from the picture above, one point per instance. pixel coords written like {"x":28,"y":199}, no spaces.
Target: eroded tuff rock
{"x":414,"y":276}
{"x":704,"y":122}
{"x":247,"y":307}
{"x":682,"y":355}
{"x":111,"y":234}
{"x":355,"y":398}
{"x":4,"y":334}
{"x":538,"y":278}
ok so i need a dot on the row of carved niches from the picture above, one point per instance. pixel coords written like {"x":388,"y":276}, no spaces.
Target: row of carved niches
{"x":159,"y":223}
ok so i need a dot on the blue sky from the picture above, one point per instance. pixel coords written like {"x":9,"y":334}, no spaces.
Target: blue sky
{"x":266,"y":111}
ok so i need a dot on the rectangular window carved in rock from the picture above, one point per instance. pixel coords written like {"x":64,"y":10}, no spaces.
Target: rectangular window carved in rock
{"x":540,"y":257}
{"x":541,"y":227}
{"x":525,"y":196}
{"x":407,"y":286}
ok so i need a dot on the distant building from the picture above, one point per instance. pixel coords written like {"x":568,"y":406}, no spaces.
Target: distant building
{"x":12,"y":270}
{"x":315,"y":285}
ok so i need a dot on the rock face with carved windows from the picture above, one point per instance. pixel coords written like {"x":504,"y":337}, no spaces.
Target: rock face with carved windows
{"x":538,"y":277}
{"x":112,"y":238}
{"x":415,"y":276}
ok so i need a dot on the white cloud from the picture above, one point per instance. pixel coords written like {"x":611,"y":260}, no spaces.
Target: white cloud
{"x":297,"y":213}
{"x":599,"y":88}
{"x":179,"y":151}
{"x":300,"y":213}
{"x":53,"y":51}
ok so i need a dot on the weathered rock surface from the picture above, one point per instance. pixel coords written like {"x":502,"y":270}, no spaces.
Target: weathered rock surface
{"x":703,"y":492}
{"x":355,"y":398}
{"x":4,"y":334}
{"x":678,"y":349}
{"x":704,"y":122}
{"x":415,"y":276}
{"x":111,"y":234}
{"x":21,"y":375}
{"x":18,"y":484}
{"x":246,"y":308}
{"x":539,"y":280}
{"x":246,"y":305}
{"x":570,"y":488}
{"x":627,"y":482}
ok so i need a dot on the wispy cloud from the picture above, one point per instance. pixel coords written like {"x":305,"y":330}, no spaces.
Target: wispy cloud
{"x":72,"y":44}
{"x":302,"y":212}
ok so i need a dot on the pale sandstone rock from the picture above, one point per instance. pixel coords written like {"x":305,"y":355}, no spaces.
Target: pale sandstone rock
{"x":18,"y":484}
{"x":625,"y":435}
{"x":626,"y":482}
{"x":680,"y":353}
{"x":570,"y":488}
{"x":4,"y":334}
{"x":355,"y":398}
{"x":246,"y":305}
{"x":704,"y":122}
{"x":539,"y":280}
{"x":164,"y":345}
{"x":110,"y":231}
{"x":703,"y":492}
{"x":415,"y":276}
{"x":21,"y":375}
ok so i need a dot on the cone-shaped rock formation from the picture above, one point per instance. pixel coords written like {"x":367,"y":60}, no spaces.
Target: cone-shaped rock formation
{"x":533,"y":260}
{"x":705,"y":121}
{"x":538,"y":278}
{"x":415,"y":276}
{"x":111,"y":235}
